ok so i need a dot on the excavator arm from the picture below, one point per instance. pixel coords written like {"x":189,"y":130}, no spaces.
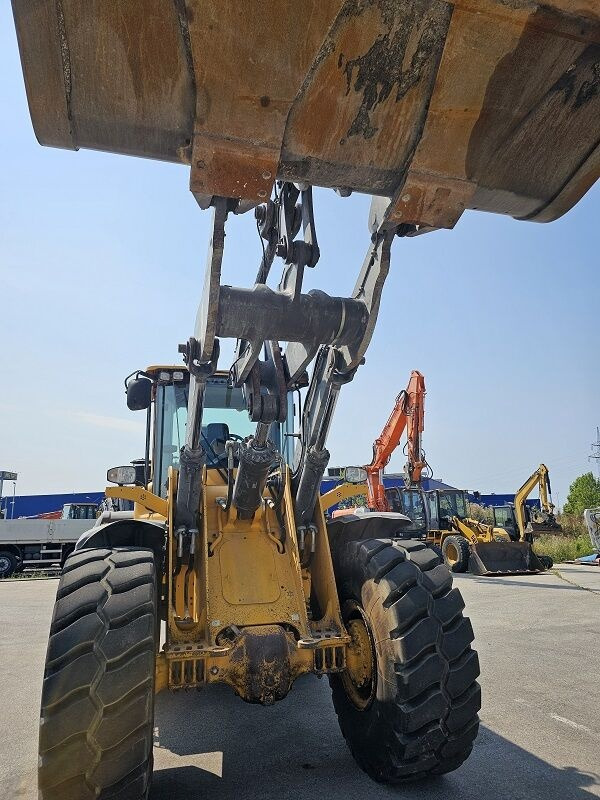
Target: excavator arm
{"x":408,"y":414}
{"x":541,"y":479}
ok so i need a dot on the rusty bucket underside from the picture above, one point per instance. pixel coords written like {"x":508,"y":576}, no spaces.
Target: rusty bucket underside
{"x":442,"y":106}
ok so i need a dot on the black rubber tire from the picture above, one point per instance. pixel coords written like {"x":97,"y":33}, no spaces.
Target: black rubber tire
{"x":97,"y":714}
{"x":423,"y":715}
{"x":463,"y":550}
{"x":8,"y":564}
{"x":437,"y":550}
{"x":546,"y":561}
{"x":66,"y":554}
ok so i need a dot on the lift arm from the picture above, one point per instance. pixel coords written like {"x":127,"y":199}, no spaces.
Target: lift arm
{"x":541,"y":478}
{"x":408,"y":414}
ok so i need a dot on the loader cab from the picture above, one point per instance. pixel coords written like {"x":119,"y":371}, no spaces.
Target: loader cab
{"x":442,"y":505}
{"x":504,"y":517}
{"x":225,"y":416}
{"x":411,"y":503}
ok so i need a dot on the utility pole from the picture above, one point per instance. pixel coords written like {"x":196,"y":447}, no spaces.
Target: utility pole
{"x":596,"y":451}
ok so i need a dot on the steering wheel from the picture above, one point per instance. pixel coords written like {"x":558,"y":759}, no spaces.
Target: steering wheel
{"x":235,"y":438}
{"x":217,"y":446}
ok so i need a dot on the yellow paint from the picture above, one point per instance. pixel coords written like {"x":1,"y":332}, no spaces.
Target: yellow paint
{"x":141,"y":497}
{"x":245,"y":575}
{"x":342,"y":492}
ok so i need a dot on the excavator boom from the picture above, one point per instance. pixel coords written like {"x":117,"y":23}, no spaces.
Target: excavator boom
{"x":408,"y":414}
{"x":546,"y":522}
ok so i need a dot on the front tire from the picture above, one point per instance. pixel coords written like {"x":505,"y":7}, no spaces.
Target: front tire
{"x":456,"y":552}
{"x":97,"y":715}
{"x":407,"y":702}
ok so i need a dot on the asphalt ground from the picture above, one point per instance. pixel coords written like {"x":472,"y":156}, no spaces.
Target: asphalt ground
{"x":538,"y":639}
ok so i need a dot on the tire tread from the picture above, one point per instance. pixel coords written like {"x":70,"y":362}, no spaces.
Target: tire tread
{"x":99,"y":665}
{"x":434,"y":693}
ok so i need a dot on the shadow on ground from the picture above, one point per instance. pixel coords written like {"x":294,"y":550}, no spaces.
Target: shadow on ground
{"x":526,"y":582}
{"x":211,"y":742}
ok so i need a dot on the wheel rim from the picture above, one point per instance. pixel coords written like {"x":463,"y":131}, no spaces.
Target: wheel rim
{"x":359,"y":677}
{"x":4,"y":565}
{"x":451,"y":553}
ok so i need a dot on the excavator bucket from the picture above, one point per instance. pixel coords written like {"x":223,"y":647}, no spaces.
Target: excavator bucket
{"x":503,"y":558}
{"x":440,"y":105}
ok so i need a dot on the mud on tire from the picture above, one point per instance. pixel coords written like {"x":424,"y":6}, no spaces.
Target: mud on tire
{"x":96,"y":725}
{"x":422,"y":716}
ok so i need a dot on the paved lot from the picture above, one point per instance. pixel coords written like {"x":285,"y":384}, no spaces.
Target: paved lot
{"x":539,"y":645}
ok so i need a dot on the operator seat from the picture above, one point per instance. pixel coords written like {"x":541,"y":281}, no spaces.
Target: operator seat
{"x":216,"y":434}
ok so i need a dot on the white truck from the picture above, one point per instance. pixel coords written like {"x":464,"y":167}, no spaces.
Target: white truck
{"x":43,"y":543}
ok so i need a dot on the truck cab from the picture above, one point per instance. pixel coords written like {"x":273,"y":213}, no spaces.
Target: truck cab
{"x":79,"y":511}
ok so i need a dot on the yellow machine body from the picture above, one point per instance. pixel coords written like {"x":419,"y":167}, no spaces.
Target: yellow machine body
{"x":342,"y":492}
{"x":546,"y":521}
{"x":491,"y":549}
{"x":239,"y":614}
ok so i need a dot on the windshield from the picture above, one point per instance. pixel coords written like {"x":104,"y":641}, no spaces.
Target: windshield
{"x":503,"y":516}
{"x":224,"y":416}
{"x":409,"y":502}
{"x":452,"y":504}
{"x":85,"y":511}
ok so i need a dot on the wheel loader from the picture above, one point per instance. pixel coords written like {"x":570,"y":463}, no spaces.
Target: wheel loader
{"x":469,"y":545}
{"x":431,"y":107}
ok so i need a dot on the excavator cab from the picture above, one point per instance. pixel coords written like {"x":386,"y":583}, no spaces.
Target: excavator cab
{"x":411,"y":502}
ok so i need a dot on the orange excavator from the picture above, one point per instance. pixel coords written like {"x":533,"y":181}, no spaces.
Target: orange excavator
{"x":409,"y":415}
{"x":439,"y":516}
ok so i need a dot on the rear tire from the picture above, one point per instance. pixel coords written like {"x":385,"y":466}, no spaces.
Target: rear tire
{"x":416,"y":715}
{"x":97,"y":715}
{"x":456,"y":552}
{"x":8,"y":564}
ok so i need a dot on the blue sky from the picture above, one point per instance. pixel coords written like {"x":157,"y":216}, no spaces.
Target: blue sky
{"x":101,"y":267}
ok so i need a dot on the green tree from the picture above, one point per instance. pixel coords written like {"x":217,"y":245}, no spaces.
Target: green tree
{"x":584,"y":493}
